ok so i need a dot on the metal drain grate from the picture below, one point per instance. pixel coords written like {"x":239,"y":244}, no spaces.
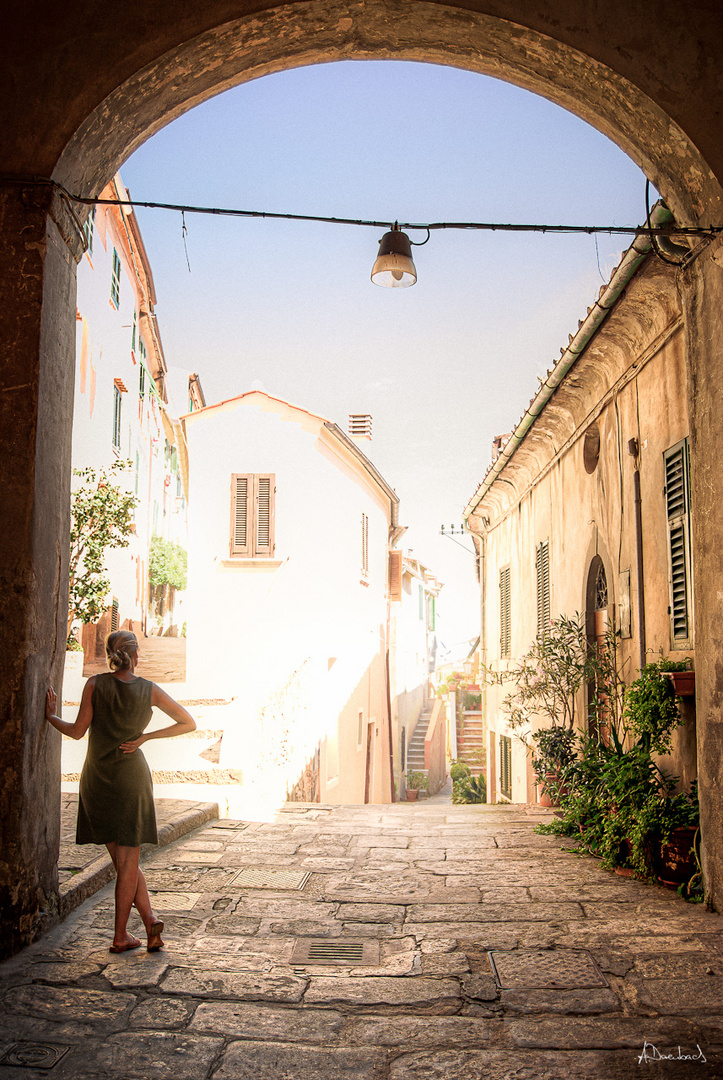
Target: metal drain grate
{"x":225,"y":823}
{"x":31,"y":1055}
{"x":545,"y":969}
{"x":336,"y":952}
{"x":260,"y":878}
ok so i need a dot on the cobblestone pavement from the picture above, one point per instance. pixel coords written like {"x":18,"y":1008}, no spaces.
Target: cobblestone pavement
{"x":442,"y":942}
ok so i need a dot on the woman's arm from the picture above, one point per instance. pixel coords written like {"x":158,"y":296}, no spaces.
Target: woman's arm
{"x":85,"y":713}
{"x":183,"y":722}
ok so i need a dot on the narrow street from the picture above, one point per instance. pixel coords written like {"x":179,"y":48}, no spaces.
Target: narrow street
{"x":428,"y":940}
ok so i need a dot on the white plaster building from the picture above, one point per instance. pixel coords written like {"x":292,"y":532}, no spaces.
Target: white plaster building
{"x":290,"y":527}
{"x":120,"y":410}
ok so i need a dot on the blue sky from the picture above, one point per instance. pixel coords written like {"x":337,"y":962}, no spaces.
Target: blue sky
{"x":443,"y":367}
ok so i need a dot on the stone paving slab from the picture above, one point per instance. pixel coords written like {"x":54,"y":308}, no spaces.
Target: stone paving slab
{"x":437,"y":887}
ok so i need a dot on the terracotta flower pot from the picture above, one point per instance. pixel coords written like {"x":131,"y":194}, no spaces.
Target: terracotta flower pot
{"x":674,"y":861}
{"x":683,"y":682}
{"x":412,"y":794}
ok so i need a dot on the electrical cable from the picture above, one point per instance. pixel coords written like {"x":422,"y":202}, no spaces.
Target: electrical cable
{"x":612,"y":230}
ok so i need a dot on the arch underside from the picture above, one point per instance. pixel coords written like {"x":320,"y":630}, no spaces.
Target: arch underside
{"x":318,"y":32}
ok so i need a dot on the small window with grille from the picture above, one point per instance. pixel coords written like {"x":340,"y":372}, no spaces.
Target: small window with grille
{"x":677,"y":505}
{"x":505,"y":613}
{"x":253,"y":497}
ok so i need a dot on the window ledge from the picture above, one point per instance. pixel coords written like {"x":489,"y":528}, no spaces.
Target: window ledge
{"x":240,"y":563}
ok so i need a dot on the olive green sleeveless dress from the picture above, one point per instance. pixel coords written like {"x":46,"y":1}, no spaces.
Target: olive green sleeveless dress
{"x":116,"y":791}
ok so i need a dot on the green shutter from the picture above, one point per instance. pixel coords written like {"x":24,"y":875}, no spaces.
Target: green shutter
{"x":542,"y":569}
{"x":505,"y":613}
{"x":506,"y":766}
{"x":677,"y":505}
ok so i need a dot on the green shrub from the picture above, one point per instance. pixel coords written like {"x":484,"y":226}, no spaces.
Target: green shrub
{"x":469,"y":789}
{"x":458,"y":769}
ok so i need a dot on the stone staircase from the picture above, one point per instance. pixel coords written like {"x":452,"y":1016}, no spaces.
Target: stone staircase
{"x":471,"y":742}
{"x":415,"y":749}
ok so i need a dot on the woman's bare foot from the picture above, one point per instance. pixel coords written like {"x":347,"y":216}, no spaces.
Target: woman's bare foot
{"x":125,"y":946}
{"x":155,"y":942}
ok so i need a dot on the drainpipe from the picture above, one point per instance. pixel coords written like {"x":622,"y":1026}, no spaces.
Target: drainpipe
{"x":634,"y":451}
{"x":631,"y":262}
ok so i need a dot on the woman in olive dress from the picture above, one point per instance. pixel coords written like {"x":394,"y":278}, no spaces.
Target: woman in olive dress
{"x":115,"y":804}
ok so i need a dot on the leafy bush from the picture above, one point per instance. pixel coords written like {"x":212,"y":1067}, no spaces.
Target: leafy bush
{"x":618,"y":801}
{"x":167,"y":564}
{"x":101,"y":518}
{"x":458,"y":769}
{"x":469,"y":789}
{"x":417,"y":780}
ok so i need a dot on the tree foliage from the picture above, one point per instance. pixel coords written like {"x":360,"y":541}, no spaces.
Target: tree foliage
{"x":167,"y":564}
{"x":101,"y":518}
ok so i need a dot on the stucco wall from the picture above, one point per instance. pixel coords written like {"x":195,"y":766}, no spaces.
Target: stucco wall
{"x":633,"y":386}
{"x":251,"y":623}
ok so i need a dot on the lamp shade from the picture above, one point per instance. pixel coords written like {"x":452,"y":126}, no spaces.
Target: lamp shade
{"x":394,"y":268}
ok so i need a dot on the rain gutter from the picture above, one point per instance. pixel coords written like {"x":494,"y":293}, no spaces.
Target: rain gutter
{"x":629,"y":265}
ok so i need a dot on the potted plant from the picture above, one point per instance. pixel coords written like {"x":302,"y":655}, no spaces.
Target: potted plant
{"x":552,"y":756}
{"x":416,"y":782}
{"x":621,"y":804}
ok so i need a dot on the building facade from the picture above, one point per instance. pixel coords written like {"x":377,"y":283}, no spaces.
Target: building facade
{"x":290,"y":527}
{"x":414,"y":594}
{"x":586,"y":509}
{"x":121,"y":409}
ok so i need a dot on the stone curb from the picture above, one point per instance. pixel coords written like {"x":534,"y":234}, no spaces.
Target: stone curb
{"x":84,"y":884}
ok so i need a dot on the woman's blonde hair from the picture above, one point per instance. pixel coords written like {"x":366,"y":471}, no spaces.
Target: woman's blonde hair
{"x":118,"y":648}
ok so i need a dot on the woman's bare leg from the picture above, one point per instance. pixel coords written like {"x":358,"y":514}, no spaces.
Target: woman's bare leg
{"x":140,"y":898}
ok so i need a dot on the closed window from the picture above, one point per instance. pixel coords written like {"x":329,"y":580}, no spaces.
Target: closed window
{"x":115,"y":279}
{"x":542,"y":568}
{"x":88,"y":231}
{"x":395,"y":575}
{"x":364,"y":546}
{"x":117,"y":400}
{"x":506,"y":766}
{"x":505,"y":613}
{"x":431,"y":613}
{"x":677,"y":506}
{"x":252,"y":515}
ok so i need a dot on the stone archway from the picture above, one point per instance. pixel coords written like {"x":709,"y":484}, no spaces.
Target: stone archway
{"x":82,"y":97}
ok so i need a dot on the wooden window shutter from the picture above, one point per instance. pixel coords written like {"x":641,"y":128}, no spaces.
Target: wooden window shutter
{"x":241,"y":514}
{"x":264,"y":489}
{"x":677,"y":505}
{"x":252,"y":514}
{"x":432,"y":613}
{"x":506,"y":766}
{"x":542,"y":567}
{"x":505,"y":612}
{"x":395,"y":575}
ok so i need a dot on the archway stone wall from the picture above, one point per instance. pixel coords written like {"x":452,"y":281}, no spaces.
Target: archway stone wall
{"x":80,"y":93}
{"x":316,"y":31}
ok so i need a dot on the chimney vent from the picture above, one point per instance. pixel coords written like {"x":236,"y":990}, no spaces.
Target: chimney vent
{"x":360,"y":426}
